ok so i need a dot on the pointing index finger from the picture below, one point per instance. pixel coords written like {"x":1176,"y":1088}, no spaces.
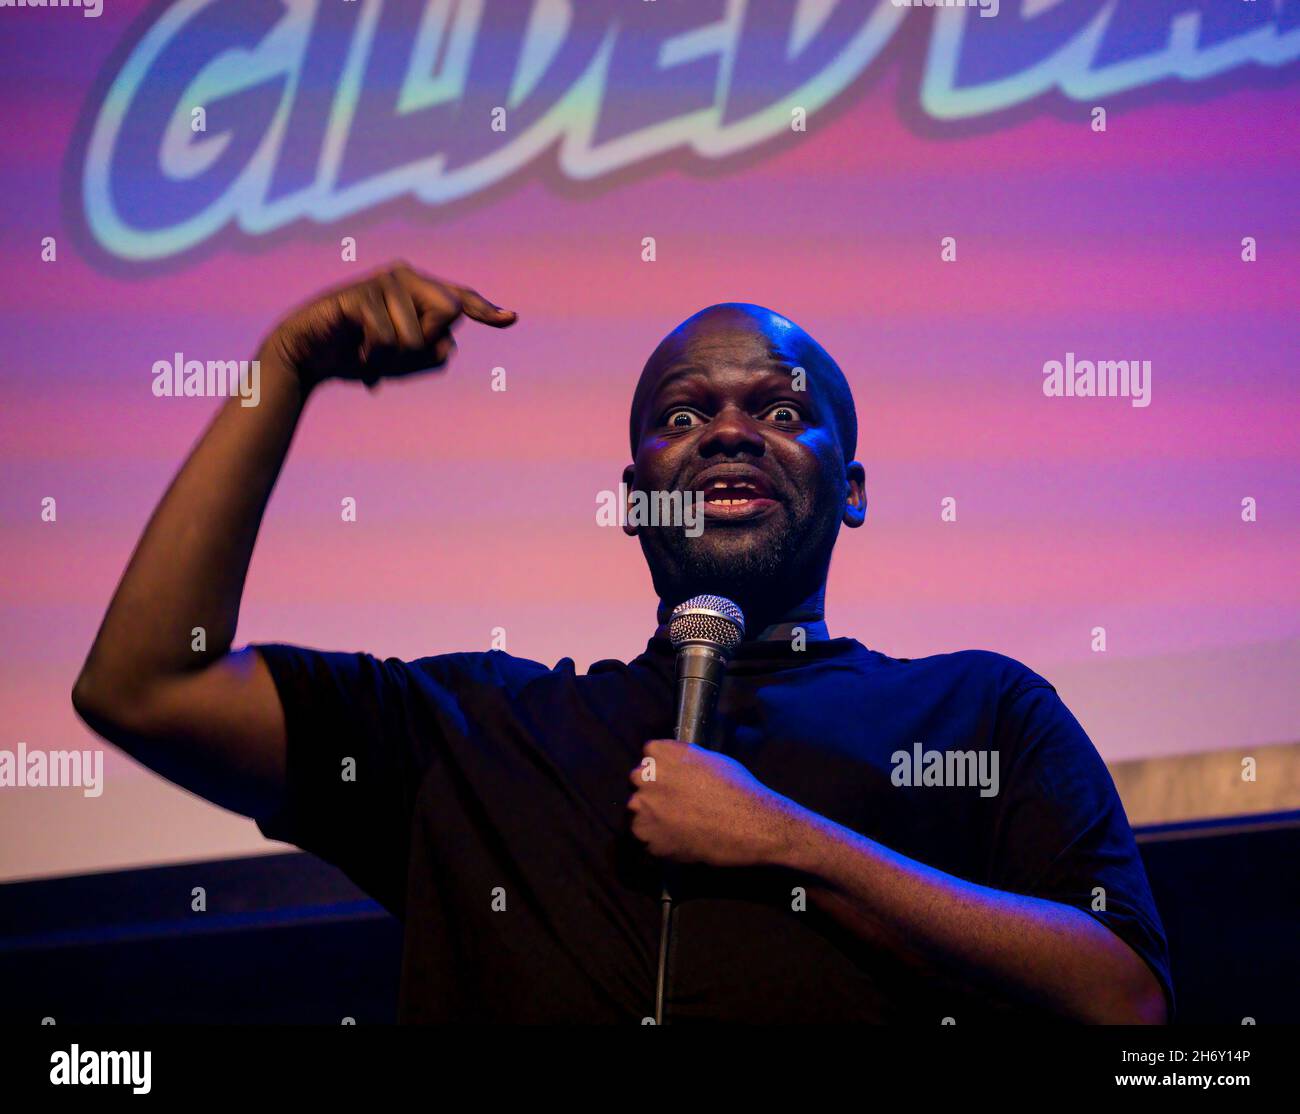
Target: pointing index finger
{"x":479,"y":308}
{"x":448,"y":300}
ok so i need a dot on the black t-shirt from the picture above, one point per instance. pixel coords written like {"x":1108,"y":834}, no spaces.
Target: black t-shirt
{"x":483,"y":799}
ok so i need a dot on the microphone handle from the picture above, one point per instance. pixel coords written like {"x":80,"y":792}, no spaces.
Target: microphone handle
{"x":699,"y":673}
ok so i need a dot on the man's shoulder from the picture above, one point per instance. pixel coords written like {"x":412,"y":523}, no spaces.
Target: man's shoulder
{"x":984,"y":668}
{"x":489,"y":667}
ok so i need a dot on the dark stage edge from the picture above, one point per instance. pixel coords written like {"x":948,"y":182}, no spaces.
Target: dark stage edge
{"x":287,"y":938}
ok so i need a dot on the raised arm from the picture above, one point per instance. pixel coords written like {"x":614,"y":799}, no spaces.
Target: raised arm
{"x":210,"y":720}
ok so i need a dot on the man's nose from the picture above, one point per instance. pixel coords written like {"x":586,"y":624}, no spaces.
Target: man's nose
{"x":732,"y":431}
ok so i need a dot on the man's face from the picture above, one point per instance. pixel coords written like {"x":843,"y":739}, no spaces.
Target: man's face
{"x":720,"y":414}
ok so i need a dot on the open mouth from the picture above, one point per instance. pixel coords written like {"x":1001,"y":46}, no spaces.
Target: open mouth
{"x":728,"y":493}
{"x":734,"y":494}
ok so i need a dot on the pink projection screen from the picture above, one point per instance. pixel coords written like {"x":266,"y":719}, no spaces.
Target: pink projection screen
{"x":973,"y":213}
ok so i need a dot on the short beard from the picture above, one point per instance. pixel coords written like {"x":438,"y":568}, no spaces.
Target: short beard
{"x":765,"y":580}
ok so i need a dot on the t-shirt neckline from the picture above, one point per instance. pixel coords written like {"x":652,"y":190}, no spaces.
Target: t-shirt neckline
{"x":775,"y":652}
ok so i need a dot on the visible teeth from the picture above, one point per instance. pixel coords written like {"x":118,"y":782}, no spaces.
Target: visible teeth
{"x":728,"y":502}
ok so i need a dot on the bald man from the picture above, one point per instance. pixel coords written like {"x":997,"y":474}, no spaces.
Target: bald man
{"x":866,"y":839}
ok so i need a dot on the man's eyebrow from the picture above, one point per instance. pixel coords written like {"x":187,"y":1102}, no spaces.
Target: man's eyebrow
{"x":675,"y":374}
{"x":694,"y":371}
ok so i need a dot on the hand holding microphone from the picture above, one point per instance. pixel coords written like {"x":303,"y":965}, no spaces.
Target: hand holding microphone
{"x":705,"y":808}
{"x":691,"y":805}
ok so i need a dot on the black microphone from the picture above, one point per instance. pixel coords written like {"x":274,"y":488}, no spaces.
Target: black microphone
{"x":704,"y":631}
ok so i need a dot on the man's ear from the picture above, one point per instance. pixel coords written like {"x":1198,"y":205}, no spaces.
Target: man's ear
{"x":855,"y":502}
{"x":628,"y":473}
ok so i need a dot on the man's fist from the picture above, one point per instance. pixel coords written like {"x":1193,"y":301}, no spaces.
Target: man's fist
{"x":692,"y":805}
{"x":395,"y":322}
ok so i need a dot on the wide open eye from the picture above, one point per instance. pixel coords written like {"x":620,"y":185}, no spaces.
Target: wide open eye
{"x":681,"y":418}
{"x":784,"y":413}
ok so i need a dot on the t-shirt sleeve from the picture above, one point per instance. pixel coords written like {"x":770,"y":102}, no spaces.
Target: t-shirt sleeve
{"x":360,"y":734}
{"x":1062,"y":833}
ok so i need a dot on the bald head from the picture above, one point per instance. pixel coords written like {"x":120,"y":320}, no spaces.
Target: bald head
{"x":775,"y":340}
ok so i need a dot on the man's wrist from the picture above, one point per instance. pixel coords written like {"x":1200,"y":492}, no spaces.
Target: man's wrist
{"x":275,"y":366}
{"x":794,"y":837}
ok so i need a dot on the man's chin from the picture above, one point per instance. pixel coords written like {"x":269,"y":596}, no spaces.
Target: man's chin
{"x":755,"y":541}
{"x":731,"y":562}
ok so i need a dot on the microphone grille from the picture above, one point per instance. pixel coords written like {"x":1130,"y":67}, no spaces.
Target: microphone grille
{"x":707,"y":619}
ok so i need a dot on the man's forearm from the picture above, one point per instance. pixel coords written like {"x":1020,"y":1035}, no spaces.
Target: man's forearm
{"x":1028,"y":949}
{"x":189,"y":567}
